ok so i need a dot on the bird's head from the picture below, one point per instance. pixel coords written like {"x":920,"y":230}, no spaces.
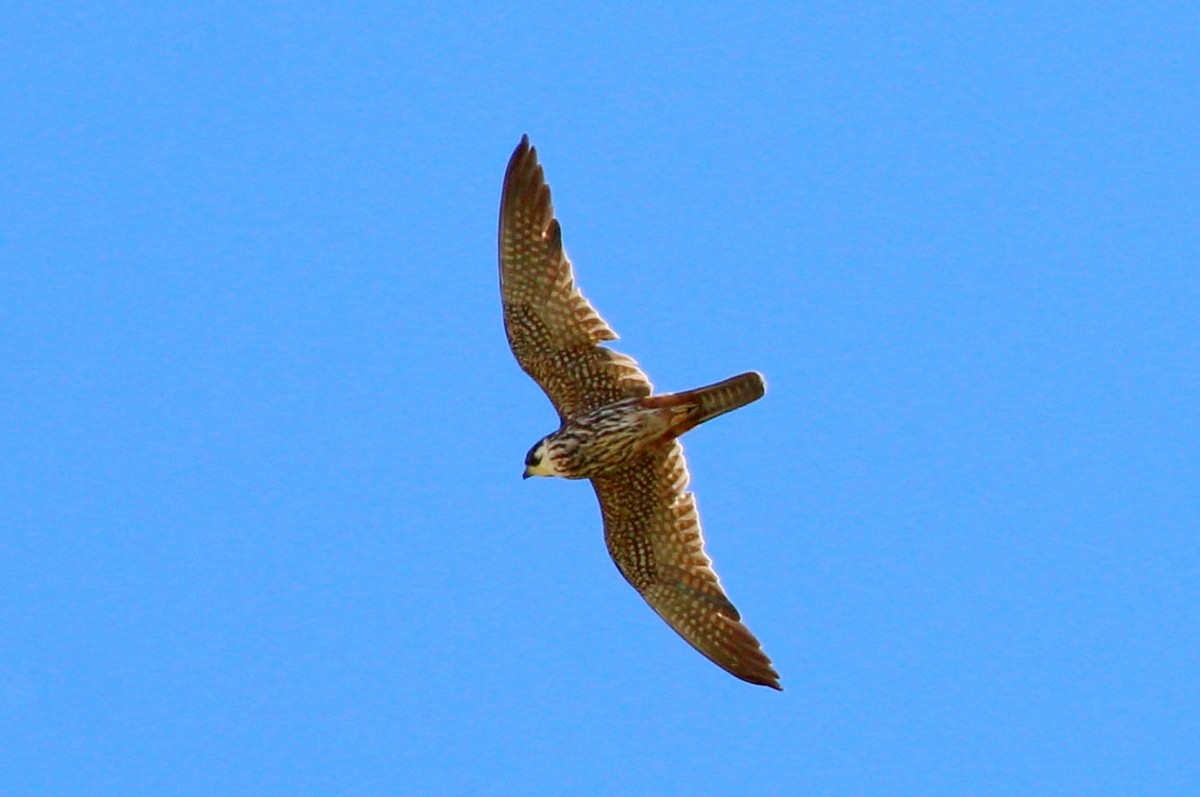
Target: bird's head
{"x":543,"y":459}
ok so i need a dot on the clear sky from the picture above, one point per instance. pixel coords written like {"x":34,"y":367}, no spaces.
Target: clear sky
{"x":262,"y":526}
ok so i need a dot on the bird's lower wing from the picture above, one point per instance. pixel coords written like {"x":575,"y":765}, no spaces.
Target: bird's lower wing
{"x":653,"y":534}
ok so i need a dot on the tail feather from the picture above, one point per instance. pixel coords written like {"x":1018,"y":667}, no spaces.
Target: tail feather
{"x":705,"y":403}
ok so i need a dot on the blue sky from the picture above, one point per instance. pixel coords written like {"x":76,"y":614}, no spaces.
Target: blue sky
{"x":262,"y":527}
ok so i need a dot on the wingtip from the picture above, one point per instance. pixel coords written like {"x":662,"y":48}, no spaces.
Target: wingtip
{"x":524,"y":181}
{"x":771,"y":681}
{"x":522,"y":151}
{"x":523,"y":146}
{"x":762,"y":673}
{"x":770,"y":678}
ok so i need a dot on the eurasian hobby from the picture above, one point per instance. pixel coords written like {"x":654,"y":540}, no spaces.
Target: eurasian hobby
{"x":614,"y":432}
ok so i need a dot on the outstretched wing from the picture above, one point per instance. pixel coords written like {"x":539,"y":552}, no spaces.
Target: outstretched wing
{"x":553,"y":330}
{"x":653,"y":534}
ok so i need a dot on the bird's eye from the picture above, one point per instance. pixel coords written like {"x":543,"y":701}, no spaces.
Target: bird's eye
{"x":532,"y":458}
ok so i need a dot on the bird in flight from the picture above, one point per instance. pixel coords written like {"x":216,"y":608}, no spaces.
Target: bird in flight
{"x":614,"y":431}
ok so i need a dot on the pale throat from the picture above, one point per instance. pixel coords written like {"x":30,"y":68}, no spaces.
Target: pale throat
{"x":545,"y":465}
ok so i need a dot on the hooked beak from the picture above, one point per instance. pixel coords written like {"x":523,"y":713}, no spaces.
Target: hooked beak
{"x":525,"y":475}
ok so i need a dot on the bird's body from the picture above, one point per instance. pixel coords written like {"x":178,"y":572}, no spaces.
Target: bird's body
{"x":614,"y":431}
{"x":612,"y":436}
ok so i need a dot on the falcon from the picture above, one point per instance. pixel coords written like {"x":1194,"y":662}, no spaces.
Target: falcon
{"x":615,"y":431}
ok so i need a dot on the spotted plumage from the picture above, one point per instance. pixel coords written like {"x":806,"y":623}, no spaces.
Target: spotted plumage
{"x":614,"y":431}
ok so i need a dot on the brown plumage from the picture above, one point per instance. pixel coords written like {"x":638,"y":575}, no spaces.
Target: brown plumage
{"x":614,"y":432}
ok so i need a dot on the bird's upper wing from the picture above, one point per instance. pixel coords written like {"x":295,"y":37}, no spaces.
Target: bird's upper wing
{"x":653,"y":533}
{"x":553,"y":330}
